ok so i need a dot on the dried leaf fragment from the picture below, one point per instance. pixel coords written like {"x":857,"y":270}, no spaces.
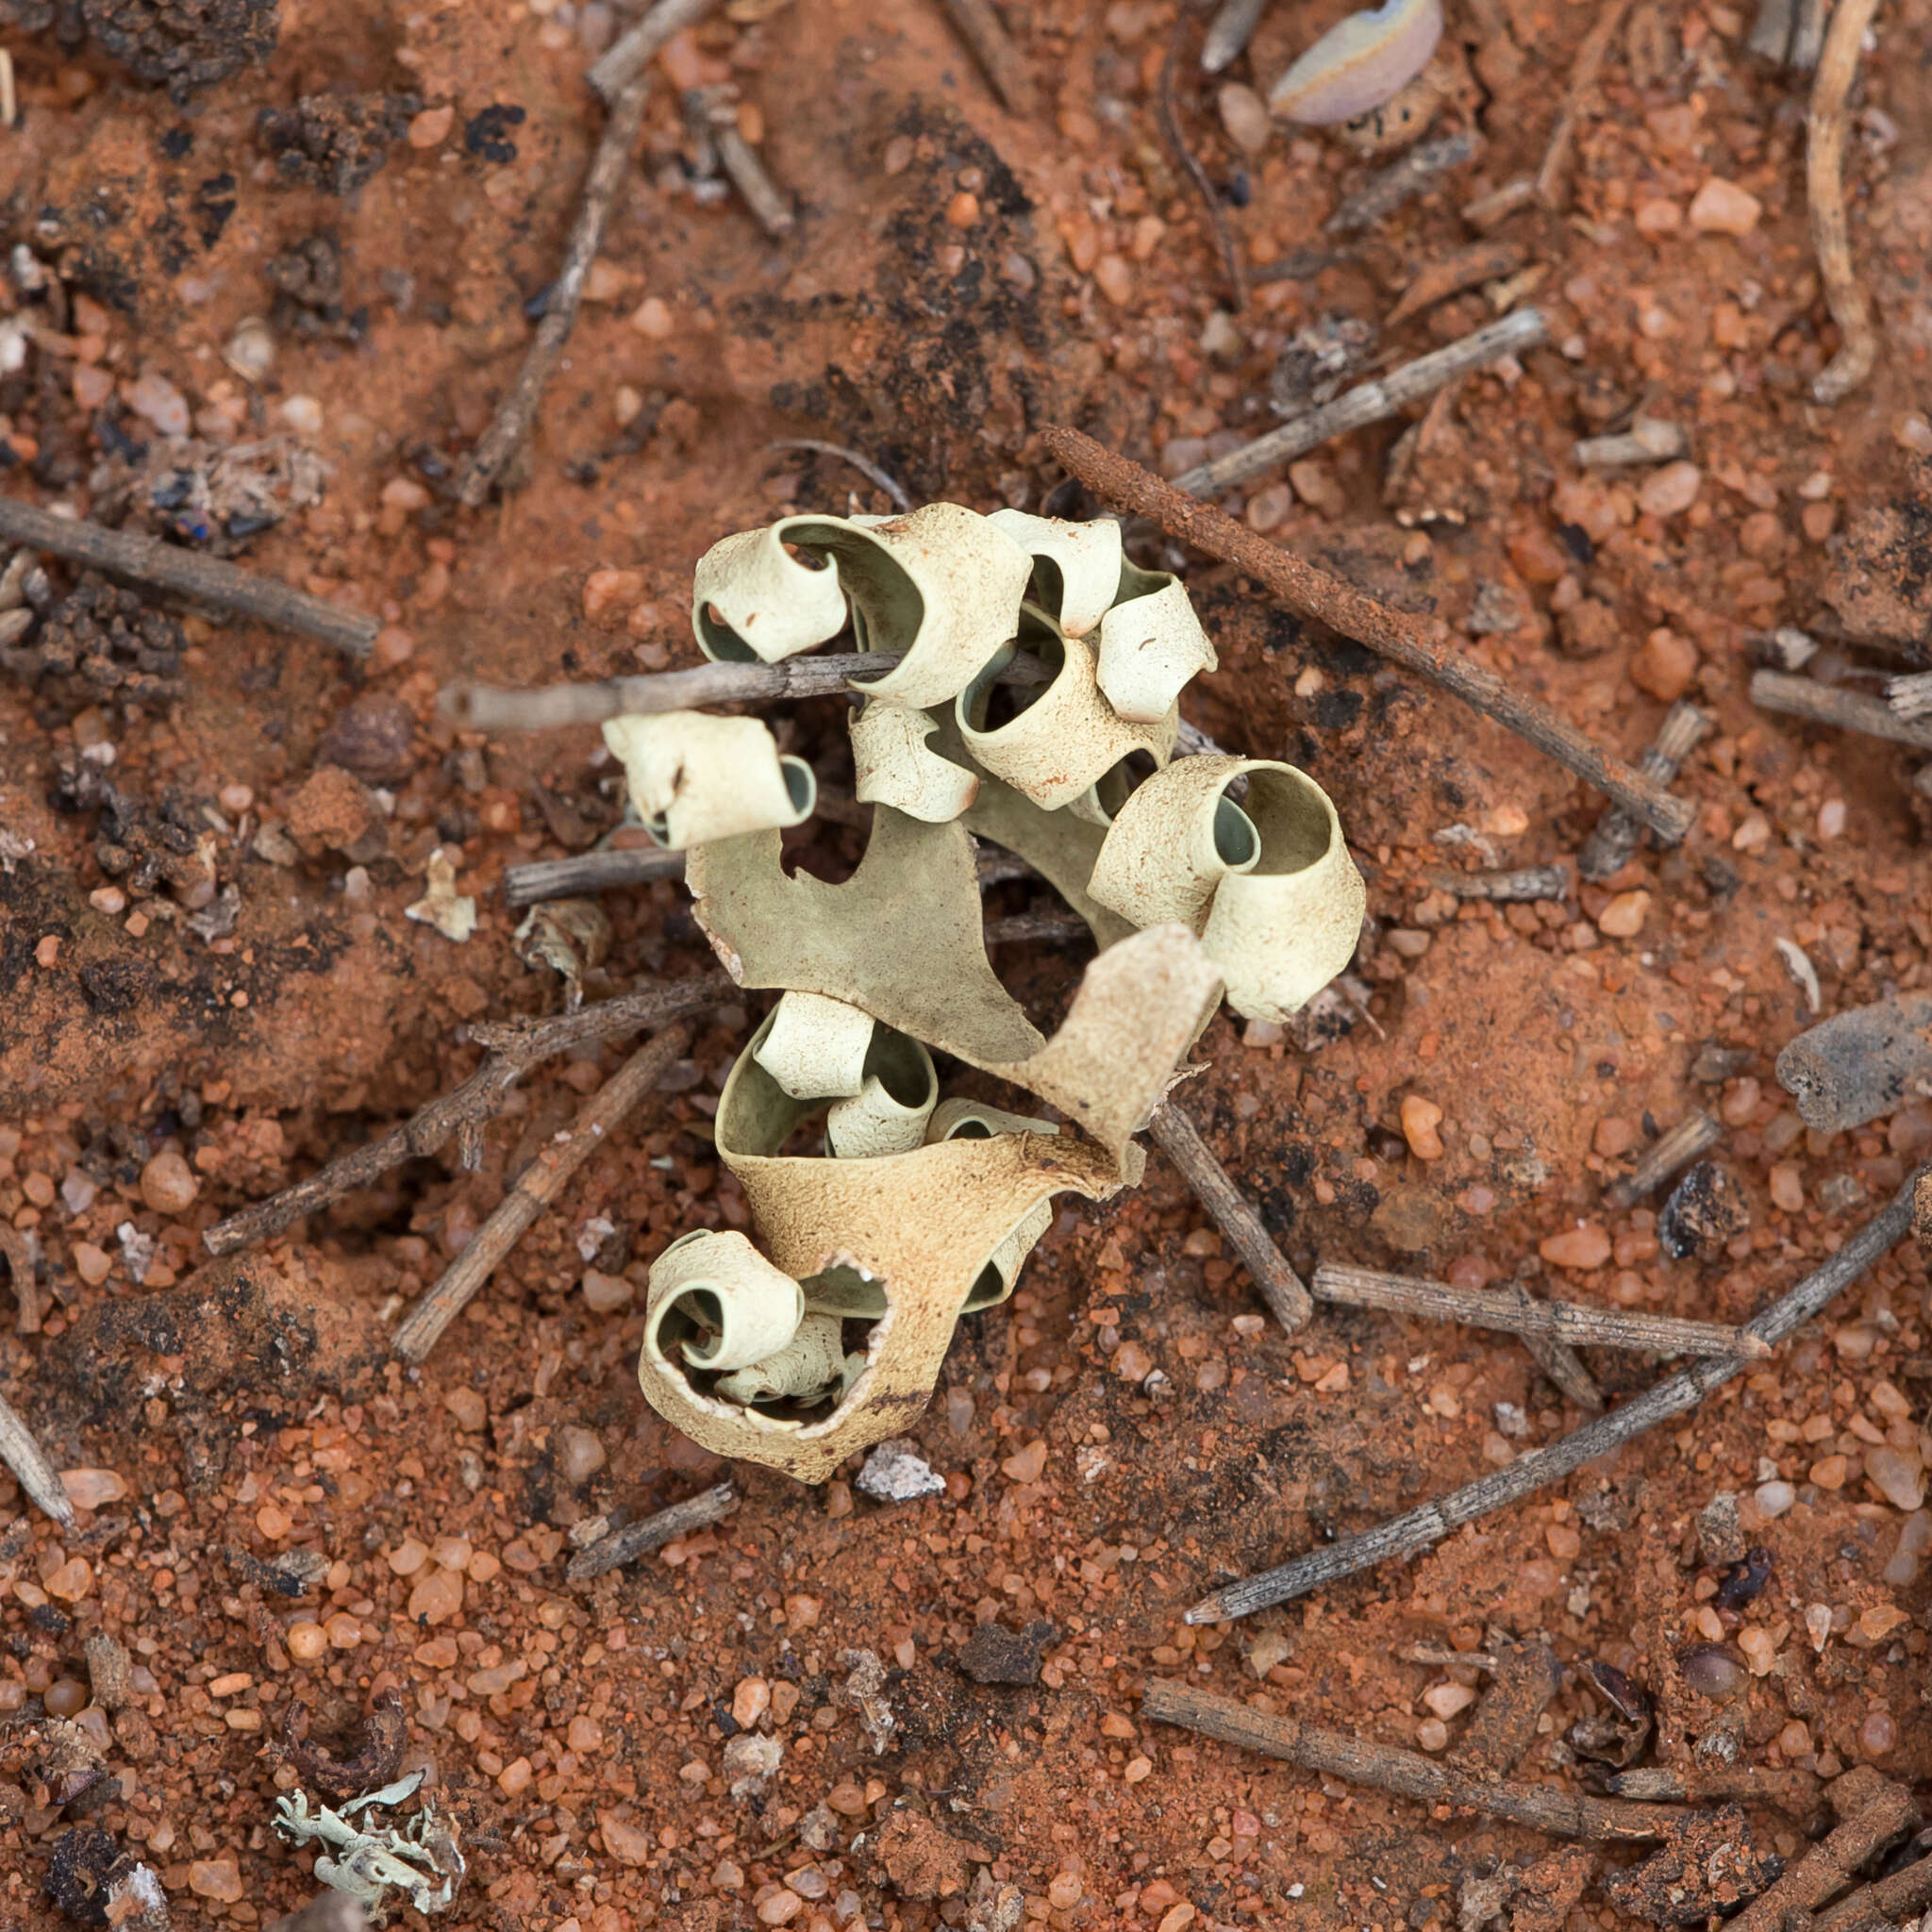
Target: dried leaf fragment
{"x":694,"y":777}
{"x":452,"y":913}
{"x":1174,"y":842}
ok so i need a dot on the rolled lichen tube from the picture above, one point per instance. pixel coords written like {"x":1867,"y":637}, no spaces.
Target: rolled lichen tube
{"x":1282,"y":929}
{"x":815,"y":1047}
{"x":889,"y":1113}
{"x":1060,"y":742}
{"x":973,"y":1120}
{"x":809,"y":1368}
{"x":694,"y":777}
{"x":1151,"y":643}
{"x":754,"y":599}
{"x":1174,"y":840}
{"x":715,"y":1298}
{"x":1076,"y":567}
{"x":892,"y":764}
{"x":1359,"y":63}
{"x":1861,"y":1063}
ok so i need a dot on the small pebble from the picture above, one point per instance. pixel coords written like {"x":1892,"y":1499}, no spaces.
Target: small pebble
{"x":605,"y":1292}
{"x":65,"y":1697}
{"x":436,"y":1598}
{"x":215,"y":1878}
{"x":302,"y":415}
{"x":306,"y":1640}
{"x":1432,"y":1734}
{"x":1244,"y":114}
{"x":583,"y":1454}
{"x":1419,"y":1120}
{"x":92,"y":1489}
{"x":1787,"y":1188}
{"x":652,"y":318}
{"x":1664,"y":665}
{"x":156,"y":398}
{"x":1774,"y":1498}
{"x":1114,"y":279}
{"x":1878,"y":1734}
{"x":1446,"y":1700}
{"x":1897,"y":1474}
{"x":1624,"y":917}
{"x":407,"y":1557}
{"x":251,"y":351}
{"x":750,"y":1700}
{"x":430,"y":128}
{"x":1722,"y":207}
{"x":962,"y":211}
{"x":1671,"y":490}
{"x":1027,"y":1465}
{"x":1582,"y":1247}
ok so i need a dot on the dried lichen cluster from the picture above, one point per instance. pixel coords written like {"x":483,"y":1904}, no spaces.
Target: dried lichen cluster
{"x":1034,"y":702}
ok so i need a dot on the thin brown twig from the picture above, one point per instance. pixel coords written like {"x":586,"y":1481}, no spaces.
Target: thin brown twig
{"x":635,"y":49}
{"x":1830,"y":704}
{"x":1418,"y":644}
{"x":28,"y":1461}
{"x":1417,"y":1529}
{"x":534,"y":1190}
{"x":514,"y":1048}
{"x":712,"y":115}
{"x":1406,"y":1773}
{"x":1003,"y":64}
{"x":1694,"y":1135}
{"x":187,"y":574}
{"x":1282,"y":1288}
{"x":1529,"y":883}
{"x":1367,"y":403}
{"x":1232,"y":266}
{"x":1792,"y":1790}
{"x":1825,"y":127}
{"x":637,"y":1540}
{"x":1401,"y":180}
{"x":1572,"y":1322}
{"x":860,"y":461}
{"x":1614,"y":838}
{"x":1583,"y":78}
{"x":19,"y":1252}
{"x":609,"y":169}
{"x":1873,"y":1812}
{"x":1887,"y":1902}
{"x":1554,"y":1356}
{"x":1021,"y":927}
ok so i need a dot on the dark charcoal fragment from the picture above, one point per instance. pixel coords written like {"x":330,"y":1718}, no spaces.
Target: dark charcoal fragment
{"x":183,"y":44}
{"x":335,"y":142}
{"x":1746,"y":1582}
{"x":78,"y":1875}
{"x":487,"y":135}
{"x":1706,"y":1207}
{"x":1709,"y":1865}
{"x":995,"y":1654}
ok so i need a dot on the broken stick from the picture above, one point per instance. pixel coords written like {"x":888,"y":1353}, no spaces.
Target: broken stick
{"x":1887,"y":1902}
{"x":1002,"y":63}
{"x":514,"y":1048}
{"x":1282,"y":1288}
{"x":186,"y":572}
{"x":1583,"y":78}
{"x":1368,"y":402}
{"x":588,"y":871}
{"x":1571,"y":1322}
{"x":637,"y":1540}
{"x":1417,"y":1529}
{"x":1873,"y":1812}
{"x":1691,"y":1137}
{"x":1829,"y":704}
{"x":633,"y":51}
{"x":1614,"y":838}
{"x":1790,"y":1791}
{"x":32,"y":1471}
{"x":1417,"y":644}
{"x":534,"y":1190}
{"x":1528,"y":883}
{"x":1825,"y":127}
{"x":1406,"y":1773}
{"x":610,"y":166}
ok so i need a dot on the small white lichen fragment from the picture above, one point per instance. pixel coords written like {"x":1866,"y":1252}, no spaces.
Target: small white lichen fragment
{"x":816,"y":1046}
{"x":369,"y":1864}
{"x":1174,"y":842}
{"x":896,"y":766}
{"x":452,"y":913}
{"x":895,"y":1472}
{"x":750,"y":1760}
{"x":694,"y":777}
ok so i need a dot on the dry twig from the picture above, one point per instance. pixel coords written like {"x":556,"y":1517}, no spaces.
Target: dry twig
{"x":1382,"y":193}
{"x":1417,"y":644}
{"x":1910,"y":696}
{"x":535,"y":1189}
{"x":1406,"y":1773}
{"x":19,"y":1252}
{"x":633,"y":51}
{"x":1873,"y":1812}
{"x":187,"y":574}
{"x":1572,"y":1322}
{"x":1531,"y":882}
{"x":514,"y":1048}
{"x":1614,"y":838}
{"x":640,"y":1539}
{"x":1583,"y":78}
{"x":1555,"y":1358}
{"x":32,"y":1471}
{"x":1282,"y":1288}
{"x":713,"y":117}
{"x":1677,"y":1395}
{"x":610,"y":167}
{"x":1232,"y":264}
{"x":1826,"y":128}
{"x":1830,"y":704}
{"x":1887,"y":1902}
{"x":589,"y":872}
{"x":1368,"y":402}
{"x":862,"y":463}
{"x":1792,"y":1790}
{"x":979,"y":26}
{"x":1691,"y":1137}
{"x":1062,"y":928}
